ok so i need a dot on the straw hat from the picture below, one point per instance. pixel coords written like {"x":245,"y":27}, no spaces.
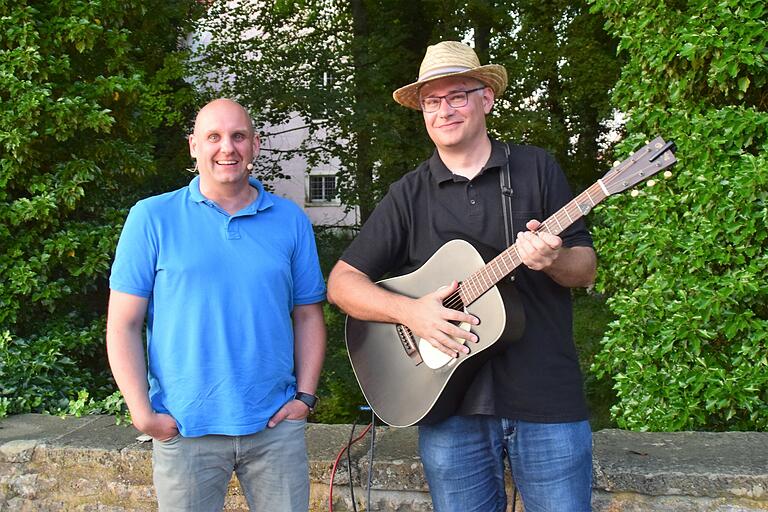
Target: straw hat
{"x":451,"y":58}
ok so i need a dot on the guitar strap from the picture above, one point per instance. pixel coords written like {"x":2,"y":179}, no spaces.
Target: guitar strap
{"x":505,"y":181}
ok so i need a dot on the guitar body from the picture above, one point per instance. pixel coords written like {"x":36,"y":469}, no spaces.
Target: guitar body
{"x":403,"y":393}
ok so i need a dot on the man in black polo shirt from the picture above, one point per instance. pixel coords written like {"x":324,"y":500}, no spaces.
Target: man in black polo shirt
{"x":526,"y":403}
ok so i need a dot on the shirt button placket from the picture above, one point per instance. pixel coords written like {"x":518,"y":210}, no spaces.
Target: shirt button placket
{"x":472,"y":194}
{"x":233,"y":230}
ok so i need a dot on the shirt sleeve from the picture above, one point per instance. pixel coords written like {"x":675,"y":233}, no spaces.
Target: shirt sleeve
{"x":133,"y":270}
{"x":381,"y":245}
{"x":308,"y":283}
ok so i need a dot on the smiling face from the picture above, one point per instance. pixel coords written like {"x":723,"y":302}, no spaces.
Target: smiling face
{"x":457,"y":128}
{"x":223,"y":143}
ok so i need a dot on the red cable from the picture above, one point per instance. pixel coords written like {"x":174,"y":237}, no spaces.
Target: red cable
{"x":336,"y":463}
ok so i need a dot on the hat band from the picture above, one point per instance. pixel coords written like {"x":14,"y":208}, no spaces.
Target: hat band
{"x":443,"y":71}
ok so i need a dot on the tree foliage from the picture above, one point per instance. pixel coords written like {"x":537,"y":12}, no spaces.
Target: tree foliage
{"x":331,"y":66}
{"x":89,"y":92}
{"x":328,"y":66}
{"x":686,"y":261}
{"x":335,"y":64}
{"x":562,"y":65}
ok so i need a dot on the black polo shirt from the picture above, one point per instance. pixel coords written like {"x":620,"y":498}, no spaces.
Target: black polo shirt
{"x":538,"y":378}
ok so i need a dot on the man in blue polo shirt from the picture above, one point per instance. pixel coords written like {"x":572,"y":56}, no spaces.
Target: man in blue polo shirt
{"x":227,"y":277}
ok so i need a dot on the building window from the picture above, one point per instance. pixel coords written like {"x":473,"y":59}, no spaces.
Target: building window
{"x":322,"y":189}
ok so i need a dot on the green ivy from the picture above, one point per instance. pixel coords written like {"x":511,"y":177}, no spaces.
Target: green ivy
{"x":113,"y":405}
{"x":685,"y":261}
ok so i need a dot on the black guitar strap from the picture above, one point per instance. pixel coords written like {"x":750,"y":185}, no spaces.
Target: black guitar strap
{"x":505,"y":180}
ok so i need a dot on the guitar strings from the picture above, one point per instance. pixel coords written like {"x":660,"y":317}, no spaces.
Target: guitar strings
{"x":454,"y":301}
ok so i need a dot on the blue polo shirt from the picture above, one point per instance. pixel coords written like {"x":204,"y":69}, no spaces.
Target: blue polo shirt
{"x":221,"y":290}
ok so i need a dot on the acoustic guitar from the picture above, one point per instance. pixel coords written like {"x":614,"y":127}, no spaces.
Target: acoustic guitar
{"x":405,"y":379}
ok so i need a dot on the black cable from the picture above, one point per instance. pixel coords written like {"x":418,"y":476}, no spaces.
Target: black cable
{"x":336,"y":465}
{"x":370,"y":460}
{"x":349,"y":464}
{"x":362,"y":408}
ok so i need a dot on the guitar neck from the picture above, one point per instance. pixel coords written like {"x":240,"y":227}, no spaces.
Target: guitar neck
{"x":502,"y":265}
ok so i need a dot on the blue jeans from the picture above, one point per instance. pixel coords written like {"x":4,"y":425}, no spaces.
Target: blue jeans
{"x":551,"y":464}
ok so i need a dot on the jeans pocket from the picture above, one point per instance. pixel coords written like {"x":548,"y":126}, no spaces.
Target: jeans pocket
{"x":168,"y":442}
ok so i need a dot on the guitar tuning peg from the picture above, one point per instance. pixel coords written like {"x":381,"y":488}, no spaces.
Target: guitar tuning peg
{"x":651,"y":183}
{"x":634,"y":193}
{"x":616,"y":163}
{"x":667,"y":174}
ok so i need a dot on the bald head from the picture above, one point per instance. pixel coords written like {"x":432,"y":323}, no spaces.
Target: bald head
{"x":222,"y":107}
{"x":224,"y":144}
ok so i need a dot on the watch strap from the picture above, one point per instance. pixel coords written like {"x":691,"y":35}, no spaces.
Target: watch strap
{"x":309,"y":399}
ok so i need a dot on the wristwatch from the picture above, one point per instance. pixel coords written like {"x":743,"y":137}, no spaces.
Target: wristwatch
{"x":310,"y":400}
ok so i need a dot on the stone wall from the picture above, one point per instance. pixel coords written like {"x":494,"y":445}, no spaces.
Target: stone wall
{"x":90,"y":464}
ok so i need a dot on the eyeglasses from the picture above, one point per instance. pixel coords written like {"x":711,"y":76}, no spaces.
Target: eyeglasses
{"x":455,"y":99}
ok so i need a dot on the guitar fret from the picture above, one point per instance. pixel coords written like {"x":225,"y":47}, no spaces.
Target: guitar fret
{"x":560,"y":226}
{"x":476,"y":287}
{"x":507,"y":270}
{"x":574,"y":213}
{"x":484,"y":276}
{"x":590,"y":198}
{"x":570,"y":219}
{"x":462,"y":294}
{"x":519,"y":259}
{"x":472,"y":289}
{"x":481,"y":276}
{"x":493,"y":268}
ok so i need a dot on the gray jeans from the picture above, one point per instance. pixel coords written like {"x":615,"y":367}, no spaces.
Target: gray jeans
{"x":192,"y":474}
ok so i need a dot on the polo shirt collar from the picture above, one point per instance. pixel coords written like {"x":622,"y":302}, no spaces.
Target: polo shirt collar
{"x":441,"y":173}
{"x":262,"y":202}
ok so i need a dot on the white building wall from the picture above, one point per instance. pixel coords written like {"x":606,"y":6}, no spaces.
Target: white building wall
{"x":296,"y":186}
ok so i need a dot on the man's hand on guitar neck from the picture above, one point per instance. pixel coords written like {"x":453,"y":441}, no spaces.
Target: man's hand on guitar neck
{"x":538,"y":251}
{"x":430,"y":320}
{"x":568,"y":266}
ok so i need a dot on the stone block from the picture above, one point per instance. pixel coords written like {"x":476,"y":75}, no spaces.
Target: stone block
{"x":17,"y":450}
{"x":702,"y":464}
{"x":41,"y":427}
{"x":90,"y":464}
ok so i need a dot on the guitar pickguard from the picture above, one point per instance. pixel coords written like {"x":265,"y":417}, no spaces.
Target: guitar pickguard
{"x":435,"y":358}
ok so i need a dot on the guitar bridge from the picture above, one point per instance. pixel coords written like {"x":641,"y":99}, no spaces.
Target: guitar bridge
{"x":409,"y":343}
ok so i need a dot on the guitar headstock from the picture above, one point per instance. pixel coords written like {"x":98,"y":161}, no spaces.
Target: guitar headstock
{"x":655,"y":156}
